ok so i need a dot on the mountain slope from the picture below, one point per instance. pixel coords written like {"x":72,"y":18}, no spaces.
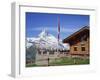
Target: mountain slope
{"x":46,"y":41}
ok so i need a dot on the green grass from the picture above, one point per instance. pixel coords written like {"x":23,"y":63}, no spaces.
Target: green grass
{"x":35,"y":65}
{"x":30,"y":65}
{"x":64,"y":61}
{"x":69,"y":61}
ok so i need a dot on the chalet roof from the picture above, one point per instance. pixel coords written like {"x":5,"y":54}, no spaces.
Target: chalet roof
{"x":76,"y":33}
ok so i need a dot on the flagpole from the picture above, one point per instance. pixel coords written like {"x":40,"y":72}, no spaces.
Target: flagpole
{"x":58,"y":33}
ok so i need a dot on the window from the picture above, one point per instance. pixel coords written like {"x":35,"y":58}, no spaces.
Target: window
{"x":44,"y":52}
{"x":82,"y":48}
{"x":75,"y":48}
{"x":51,"y":52}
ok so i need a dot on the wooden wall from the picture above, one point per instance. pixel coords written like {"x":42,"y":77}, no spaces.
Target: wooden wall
{"x":79,"y":45}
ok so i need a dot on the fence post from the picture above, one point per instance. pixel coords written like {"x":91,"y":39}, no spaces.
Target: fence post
{"x":48,"y":61}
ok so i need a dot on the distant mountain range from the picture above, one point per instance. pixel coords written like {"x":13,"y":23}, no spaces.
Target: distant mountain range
{"x":46,"y":41}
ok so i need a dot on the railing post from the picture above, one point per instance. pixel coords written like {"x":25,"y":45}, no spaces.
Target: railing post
{"x":48,"y":61}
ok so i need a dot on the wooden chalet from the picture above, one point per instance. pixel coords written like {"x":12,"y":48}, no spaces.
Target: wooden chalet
{"x":79,"y":42}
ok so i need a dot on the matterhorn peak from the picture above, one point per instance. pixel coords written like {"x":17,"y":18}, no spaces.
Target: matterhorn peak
{"x":46,"y":40}
{"x":43,"y":34}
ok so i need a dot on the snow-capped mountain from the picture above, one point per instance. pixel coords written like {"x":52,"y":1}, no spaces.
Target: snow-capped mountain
{"x":46,"y":41}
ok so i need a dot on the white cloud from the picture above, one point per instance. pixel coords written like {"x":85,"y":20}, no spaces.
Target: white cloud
{"x":54,"y":29}
{"x":69,"y":29}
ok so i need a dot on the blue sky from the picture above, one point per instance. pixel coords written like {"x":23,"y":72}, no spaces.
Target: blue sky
{"x":69,"y":23}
